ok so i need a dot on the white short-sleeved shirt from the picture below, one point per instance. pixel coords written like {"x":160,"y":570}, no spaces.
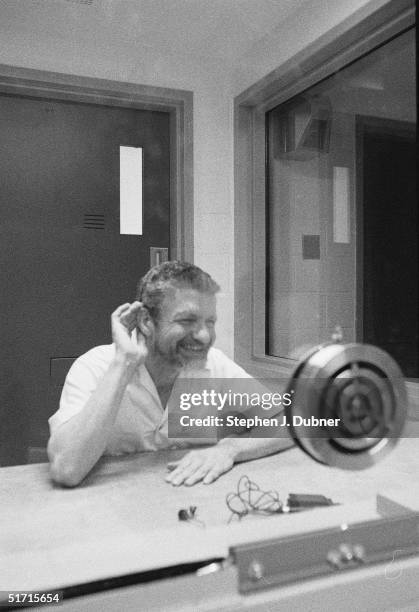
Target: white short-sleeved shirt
{"x":142,"y":422}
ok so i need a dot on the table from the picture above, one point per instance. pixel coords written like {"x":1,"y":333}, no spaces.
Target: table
{"x":123,"y":519}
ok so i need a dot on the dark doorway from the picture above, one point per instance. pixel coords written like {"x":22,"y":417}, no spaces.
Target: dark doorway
{"x":64,"y":264}
{"x":388,"y":233}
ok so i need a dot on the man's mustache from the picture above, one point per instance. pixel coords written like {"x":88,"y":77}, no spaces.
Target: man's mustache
{"x":194,"y":345}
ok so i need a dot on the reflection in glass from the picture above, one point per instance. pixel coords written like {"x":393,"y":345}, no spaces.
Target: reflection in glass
{"x":342,"y":212}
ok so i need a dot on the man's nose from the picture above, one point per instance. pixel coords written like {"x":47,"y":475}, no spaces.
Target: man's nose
{"x":202,"y":334}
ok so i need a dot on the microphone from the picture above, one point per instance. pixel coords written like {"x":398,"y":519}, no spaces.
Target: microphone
{"x":356,"y":398}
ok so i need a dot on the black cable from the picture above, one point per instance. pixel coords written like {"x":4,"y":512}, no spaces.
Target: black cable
{"x":250,"y":499}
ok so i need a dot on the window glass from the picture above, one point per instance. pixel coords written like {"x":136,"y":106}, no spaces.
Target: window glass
{"x":342,"y":209}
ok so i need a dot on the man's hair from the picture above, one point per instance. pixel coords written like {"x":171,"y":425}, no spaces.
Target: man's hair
{"x":170,"y":275}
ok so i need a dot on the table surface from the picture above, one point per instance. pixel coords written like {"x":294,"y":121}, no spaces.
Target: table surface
{"x":124,"y":517}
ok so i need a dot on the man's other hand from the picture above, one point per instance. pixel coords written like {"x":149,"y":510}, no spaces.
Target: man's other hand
{"x":206,"y":465}
{"x":124,"y":320}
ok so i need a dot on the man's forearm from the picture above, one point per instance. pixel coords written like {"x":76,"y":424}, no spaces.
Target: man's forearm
{"x":246,"y":448}
{"x":76,"y":445}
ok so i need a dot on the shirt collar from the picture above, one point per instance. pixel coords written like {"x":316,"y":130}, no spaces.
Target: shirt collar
{"x":192,"y":370}
{"x":147,"y":382}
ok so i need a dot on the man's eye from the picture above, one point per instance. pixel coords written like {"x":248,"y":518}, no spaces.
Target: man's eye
{"x":186,"y":321}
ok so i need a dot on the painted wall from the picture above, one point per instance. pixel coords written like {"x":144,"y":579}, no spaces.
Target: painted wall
{"x":310,"y":22}
{"x":214,"y":84}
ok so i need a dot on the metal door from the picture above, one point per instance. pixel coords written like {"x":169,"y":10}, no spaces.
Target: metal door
{"x":64,"y":264}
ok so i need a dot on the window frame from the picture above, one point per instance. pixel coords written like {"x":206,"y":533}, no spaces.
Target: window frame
{"x":340,"y":46}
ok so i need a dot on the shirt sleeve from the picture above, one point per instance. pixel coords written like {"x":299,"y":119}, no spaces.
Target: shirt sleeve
{"x":82,"y":379}
{"x":222,"y":366}
{"x":264,"y":401}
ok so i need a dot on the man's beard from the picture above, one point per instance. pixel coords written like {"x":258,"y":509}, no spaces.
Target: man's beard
{"x":184,"y":353}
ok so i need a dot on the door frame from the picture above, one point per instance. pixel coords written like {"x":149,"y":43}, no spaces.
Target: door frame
{"x":177,"y":102}
{"x":363,"y":125}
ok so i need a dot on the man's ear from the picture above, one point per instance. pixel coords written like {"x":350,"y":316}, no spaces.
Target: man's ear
{"x":144,"y":322}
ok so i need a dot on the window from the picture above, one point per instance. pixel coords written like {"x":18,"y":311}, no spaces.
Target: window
{"x":342,"y":209}
{"x":326,"y":197}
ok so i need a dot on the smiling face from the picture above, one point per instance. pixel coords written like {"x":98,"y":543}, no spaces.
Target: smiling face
{"x":185,"y":328}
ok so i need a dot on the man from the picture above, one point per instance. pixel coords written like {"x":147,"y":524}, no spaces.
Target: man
{"x":115,"y":397}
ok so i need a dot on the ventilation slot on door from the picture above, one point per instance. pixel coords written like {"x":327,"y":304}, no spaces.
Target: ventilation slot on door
{"x":87,"y":2}
{"x":94,"y":221}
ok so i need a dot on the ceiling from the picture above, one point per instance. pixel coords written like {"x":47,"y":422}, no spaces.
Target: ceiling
{"x":202,"y":28}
